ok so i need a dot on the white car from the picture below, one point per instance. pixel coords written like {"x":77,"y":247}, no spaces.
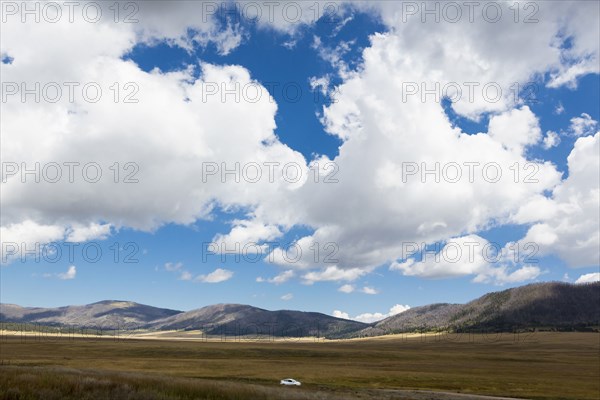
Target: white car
{"x":290,"y":382}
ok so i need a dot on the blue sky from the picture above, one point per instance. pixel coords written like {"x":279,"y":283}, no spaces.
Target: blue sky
{"x":154,"y":257}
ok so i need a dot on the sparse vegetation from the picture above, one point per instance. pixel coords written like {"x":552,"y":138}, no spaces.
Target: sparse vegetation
{"x":542,"y":306}
{"x":58,"y":383}
{"x":534,"y":365}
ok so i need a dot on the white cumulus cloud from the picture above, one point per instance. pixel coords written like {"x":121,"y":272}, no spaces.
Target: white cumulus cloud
{"x":552,"y":139}
{"x":346,"y":288}
{"x":278,"y":279}
{"x":369,"y":290}
{"x":371,"y":212}
{"x":571,"y":229}
{"x":217,"y":276}
{"x":583,"y":125}
{"x":589,"y":278}
{"x":70,"y":274}
{"x":372,"y":317}
{"x":475,"y":256}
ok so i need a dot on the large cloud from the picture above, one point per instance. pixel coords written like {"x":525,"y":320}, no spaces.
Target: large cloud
{"x":569,"y":227}
{"x":372,"y":213}
{"x":168,"y":135}
{"x":473,"y":255}
{"x":490,"y":42}
{"x":373,"y":210}
{"x":163,"y":139}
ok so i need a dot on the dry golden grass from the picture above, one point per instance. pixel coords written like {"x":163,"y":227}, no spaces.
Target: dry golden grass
{"x":541,"y":365}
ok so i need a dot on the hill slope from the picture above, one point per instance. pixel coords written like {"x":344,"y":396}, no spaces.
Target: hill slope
{"x":559,"y":306}
{"x":238,"y":319}
{"x":108,"y":314}
{"x":552,"y":305}
{"x":220,"y":319}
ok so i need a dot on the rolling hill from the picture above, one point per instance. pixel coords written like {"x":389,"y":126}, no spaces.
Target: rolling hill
{"x":550,"y":305}
{"x":108,"y":314}
{"x":238,"y":319}
{"x":220,"y":319}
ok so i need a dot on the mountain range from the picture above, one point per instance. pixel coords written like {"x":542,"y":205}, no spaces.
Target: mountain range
{"x":552,"y":305}
{"x":218,"y":319}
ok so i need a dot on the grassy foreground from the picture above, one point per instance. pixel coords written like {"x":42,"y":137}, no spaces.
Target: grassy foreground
{"x":541,"y":365}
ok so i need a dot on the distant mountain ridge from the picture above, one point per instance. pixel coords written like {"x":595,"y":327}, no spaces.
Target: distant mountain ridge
{"x":551,"y":305}
{"x":240,"y":320}
{"x":219,"y":319}
{"x":107,"y":314}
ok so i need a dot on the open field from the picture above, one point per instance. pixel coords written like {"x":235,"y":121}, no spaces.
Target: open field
{"x":51,"y":333}
{"x":538,"y":365}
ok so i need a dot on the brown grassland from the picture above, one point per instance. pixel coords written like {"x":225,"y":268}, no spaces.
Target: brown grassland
{"x":540,"y":365}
